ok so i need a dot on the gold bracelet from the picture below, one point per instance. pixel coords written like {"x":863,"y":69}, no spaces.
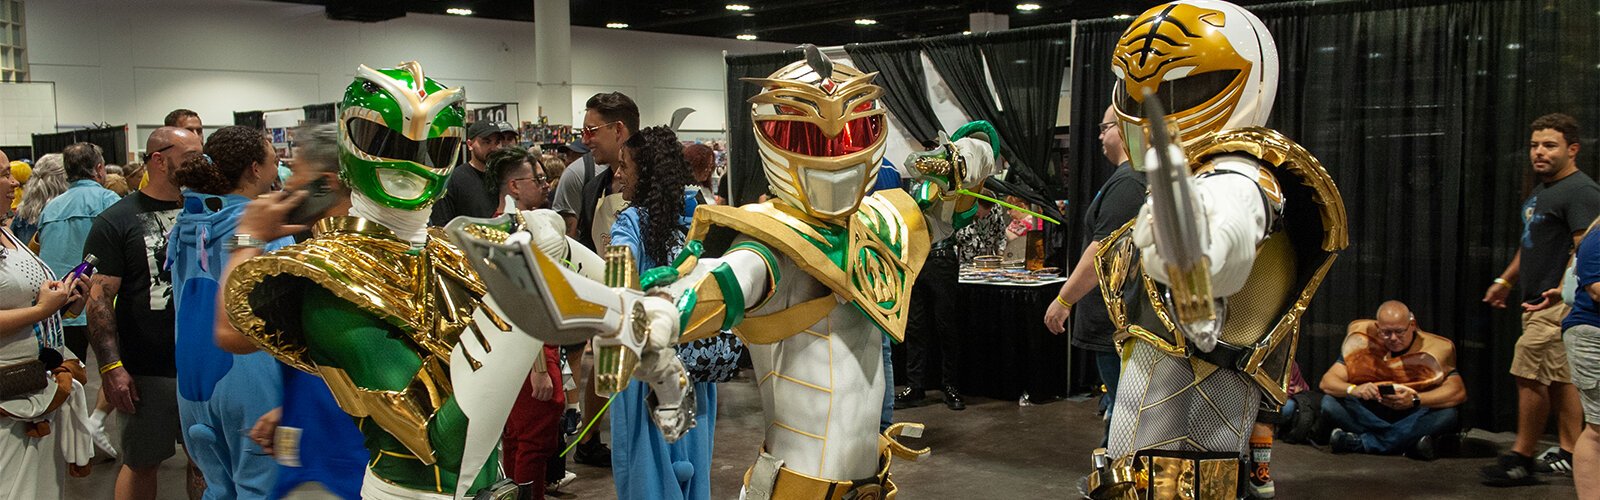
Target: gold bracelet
{"x":1063,"y":302}
{"x":1350,"y":390}
{"x":1502,"y":282}
{"x":110,"y":366}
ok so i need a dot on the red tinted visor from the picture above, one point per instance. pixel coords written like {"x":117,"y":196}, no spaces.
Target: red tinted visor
{"x":807,"y":139}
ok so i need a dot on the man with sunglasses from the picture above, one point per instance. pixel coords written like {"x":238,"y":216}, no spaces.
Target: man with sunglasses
{"x":1394,"y":388}
{"x":466,"y":192}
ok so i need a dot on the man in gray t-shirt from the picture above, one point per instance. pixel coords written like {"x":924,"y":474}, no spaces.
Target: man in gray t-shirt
{"x":569,"y":191}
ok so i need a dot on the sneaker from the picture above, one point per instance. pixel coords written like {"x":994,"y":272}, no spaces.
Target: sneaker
{"x":1510,"y":469}
{"x":1261,"y":485}
{"x":1342,"y":441}
{"x":570,"y":420}
{"x":1426,"y":449}
{"x":555,"y":486}
{"x":593,"y":453}
{"x":1553,"y":461}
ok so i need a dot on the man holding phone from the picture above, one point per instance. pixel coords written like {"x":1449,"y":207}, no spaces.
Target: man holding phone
{"x":1554,"y":218}
{"x":1394,"y":388}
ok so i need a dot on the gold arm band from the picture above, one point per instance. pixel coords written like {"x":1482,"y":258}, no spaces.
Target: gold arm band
{"x":110,"y":366}
{"x":1503,"y":282}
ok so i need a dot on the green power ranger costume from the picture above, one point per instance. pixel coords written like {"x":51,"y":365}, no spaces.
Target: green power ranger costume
{"x":378,"y":316}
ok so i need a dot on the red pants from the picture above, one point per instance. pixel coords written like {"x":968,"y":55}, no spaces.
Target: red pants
{"x":531,"y":436}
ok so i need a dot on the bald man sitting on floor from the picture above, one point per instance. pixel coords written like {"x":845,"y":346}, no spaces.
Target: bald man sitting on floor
{"x":1394,"y":388}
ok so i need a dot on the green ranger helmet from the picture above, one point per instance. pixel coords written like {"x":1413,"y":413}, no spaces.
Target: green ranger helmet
{"x":400,"y":133}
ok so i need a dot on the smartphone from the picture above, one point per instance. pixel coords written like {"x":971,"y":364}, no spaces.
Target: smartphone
{"x":84,"y":269}
{"x":1386,"y":389}
{"x":319,"y":196}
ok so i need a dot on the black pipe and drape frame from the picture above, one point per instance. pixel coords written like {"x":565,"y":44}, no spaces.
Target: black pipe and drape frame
{"x":1419,"y":109}
{"x":113,"y":142}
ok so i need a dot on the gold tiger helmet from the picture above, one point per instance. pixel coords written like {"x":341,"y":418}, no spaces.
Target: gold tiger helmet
{"x":821,"y":131}
{"x":1213,"y":65}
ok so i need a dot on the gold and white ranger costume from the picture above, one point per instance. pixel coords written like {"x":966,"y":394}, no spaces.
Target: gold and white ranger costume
{"x":1268,"y":222}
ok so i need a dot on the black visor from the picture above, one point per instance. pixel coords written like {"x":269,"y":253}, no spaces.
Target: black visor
{"x":381,"y":141}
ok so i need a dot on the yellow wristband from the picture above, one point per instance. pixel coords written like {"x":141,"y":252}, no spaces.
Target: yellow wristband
{"x":1350,"y":390}
{"x":1063,"y":302}
{"x":1503,"y":282}
{"x":110,"y":366}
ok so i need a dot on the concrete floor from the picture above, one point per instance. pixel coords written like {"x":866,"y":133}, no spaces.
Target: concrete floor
{"x":996,"y":449}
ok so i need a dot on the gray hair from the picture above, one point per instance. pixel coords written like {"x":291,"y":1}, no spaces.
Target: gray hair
{"x":319,"y":146}
{"x":49,"y":180}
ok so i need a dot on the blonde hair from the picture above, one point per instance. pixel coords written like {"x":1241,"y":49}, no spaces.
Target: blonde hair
{"x":49,"y":180}
{"x":117,"y":184}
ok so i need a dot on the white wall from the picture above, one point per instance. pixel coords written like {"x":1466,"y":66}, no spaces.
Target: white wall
{"x":132,"y":61}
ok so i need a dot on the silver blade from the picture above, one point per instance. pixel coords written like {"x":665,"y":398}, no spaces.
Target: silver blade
{"x":1177,"y":228}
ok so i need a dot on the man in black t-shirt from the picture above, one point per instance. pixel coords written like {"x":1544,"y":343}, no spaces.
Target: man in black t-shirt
{"x":1117,"y":203}
{"x":1554,"y":219}
{"x":465,"y":193}
{"x":134,"y":341}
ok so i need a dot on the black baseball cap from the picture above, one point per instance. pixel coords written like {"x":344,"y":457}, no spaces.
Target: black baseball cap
{"x":485,"y":127}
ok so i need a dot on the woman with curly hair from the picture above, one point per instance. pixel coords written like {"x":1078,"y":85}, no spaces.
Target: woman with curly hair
{"x":220,"y":395}
{"x":654,"y":176}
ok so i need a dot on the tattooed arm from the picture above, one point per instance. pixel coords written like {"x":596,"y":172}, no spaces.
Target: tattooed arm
{"x":118,"y":384}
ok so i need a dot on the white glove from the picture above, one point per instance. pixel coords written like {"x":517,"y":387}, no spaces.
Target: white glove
{"x":672,"y":399}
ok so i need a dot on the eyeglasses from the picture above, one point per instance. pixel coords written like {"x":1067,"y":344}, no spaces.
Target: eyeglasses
{"x":1393,"y":333}
{"x":1107,"y":126}
{"x":542,"y":180}
{"x":151,"y":154}
{"x":588,"y":132}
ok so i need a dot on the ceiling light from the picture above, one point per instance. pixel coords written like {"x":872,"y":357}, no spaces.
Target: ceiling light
{"x":617,"y":26}
{"x":1028,"y":7}
{"x":866,"y":22}
{"x":458,"y":11}
{"x":746,"y":37}
{"x":1122,"y":17}
{"x":736,"y":7}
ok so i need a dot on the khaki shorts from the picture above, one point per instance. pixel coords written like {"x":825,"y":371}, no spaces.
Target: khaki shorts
{"x":1583,"y":348}
{"x":1540,"y":355}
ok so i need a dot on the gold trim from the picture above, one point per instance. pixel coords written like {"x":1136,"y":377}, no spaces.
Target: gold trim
{"x":868,"y":282}
{"x":1279,"y":151}
{"x":775,"y":327}
{"x":395,"y":411}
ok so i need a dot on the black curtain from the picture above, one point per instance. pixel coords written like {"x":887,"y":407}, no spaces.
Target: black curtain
{"x":319,"y":113}
{"x":113,"y":142}
{"x":1420,"y":112}
{"x":745,"y":177}
{"x":256,"y":119}
{"x":905,"y":86}
{"x":1027,"y":67}
{"x":1087,"y":167}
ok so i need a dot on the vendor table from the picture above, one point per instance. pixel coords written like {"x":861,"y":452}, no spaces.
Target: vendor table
{"x":1006,"y":349}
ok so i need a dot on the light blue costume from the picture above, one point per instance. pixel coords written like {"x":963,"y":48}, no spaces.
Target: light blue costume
{"x":644,"y":465}
{"x":64,"y":225}
{"x":220,"y":395}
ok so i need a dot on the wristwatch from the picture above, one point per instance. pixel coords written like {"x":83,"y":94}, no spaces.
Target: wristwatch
{"x":1416,"y":401}
{"x":241,"y":240}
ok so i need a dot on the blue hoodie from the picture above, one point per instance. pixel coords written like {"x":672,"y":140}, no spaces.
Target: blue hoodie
{"x":220,"y":395}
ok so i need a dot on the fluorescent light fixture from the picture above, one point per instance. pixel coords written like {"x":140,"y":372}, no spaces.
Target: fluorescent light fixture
{"x":617,"y":26}
{"x":458,"y":11}
{"x":1028,"y":7}
{"x":746,"y":37}
{"x":736,"y":7}
{"x":1122,"y":17}
{"x":866,"y":22}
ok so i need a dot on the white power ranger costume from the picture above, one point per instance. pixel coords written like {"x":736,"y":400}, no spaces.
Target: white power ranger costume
{"x":1270,"y":223}
{"x":810,"y":280}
